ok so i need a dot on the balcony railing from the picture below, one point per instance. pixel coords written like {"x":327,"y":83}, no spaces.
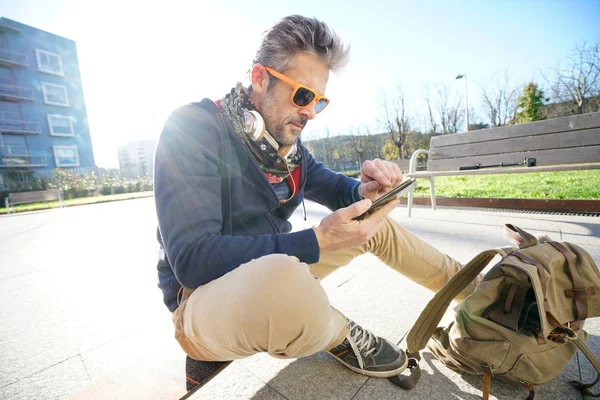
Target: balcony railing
{"x":19,"y":127}
{"x":18,"y":156}
{"x":22,"y":160}
{"x":12,"y":59}
{"x":15,"y":93}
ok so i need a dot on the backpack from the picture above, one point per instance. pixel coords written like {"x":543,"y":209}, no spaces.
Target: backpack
{"x":524,"y":321}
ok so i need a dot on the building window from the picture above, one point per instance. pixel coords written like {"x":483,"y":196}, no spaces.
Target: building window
{"x":55,"y":95}
{"x":60,"y":125}
{"x":66,"y":156}
{"x":49,"y":63}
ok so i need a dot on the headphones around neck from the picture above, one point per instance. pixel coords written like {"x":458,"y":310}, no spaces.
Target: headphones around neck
{"x":256,"y":130}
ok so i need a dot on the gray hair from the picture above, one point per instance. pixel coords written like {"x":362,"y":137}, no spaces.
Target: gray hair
{"x":294,"y":34}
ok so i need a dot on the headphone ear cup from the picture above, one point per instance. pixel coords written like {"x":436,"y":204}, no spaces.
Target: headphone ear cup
{"x":254,"y":125}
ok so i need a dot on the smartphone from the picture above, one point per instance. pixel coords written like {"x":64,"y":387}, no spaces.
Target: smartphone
{"x":393,"y":194}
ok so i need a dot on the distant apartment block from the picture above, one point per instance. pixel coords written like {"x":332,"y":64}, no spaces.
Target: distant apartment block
{"x":136,"y":158}
{"x":43,"y":119}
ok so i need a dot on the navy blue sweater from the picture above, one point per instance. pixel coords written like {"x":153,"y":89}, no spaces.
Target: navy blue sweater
{"x":217,"y":210}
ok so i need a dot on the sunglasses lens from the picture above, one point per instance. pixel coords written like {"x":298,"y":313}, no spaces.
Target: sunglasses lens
{"x":303,"y":97}
{"x":321,"y":105}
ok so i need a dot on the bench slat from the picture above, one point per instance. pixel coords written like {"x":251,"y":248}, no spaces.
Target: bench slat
{"x":588,"y":154}
{"x":404,"y":165}
{"x":575,"y":122}
{"x":32,"y":197}
{"x":508,"y":170}
{"x":588,"y":137}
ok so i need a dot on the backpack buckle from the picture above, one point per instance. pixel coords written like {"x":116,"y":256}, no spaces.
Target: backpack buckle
{"x":562,"y":334}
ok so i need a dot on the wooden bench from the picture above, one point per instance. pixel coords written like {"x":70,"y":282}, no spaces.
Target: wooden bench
{"x":33,"y":197}
{"x":404,"y":165}
{"x":562,"y":144}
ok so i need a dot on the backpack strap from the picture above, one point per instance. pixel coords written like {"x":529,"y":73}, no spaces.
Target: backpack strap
{"x":518,"y":236}
{"x":580,"y":292}
{"x":586,"y":389}
{"x":430,"y":317}
{"x":215,"y":111}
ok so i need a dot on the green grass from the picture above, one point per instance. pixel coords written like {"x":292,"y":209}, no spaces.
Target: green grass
{"x":537,"y":185}
{"x":77,"y":202}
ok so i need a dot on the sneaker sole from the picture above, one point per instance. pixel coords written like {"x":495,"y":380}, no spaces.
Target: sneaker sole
{"x":375,"y":374}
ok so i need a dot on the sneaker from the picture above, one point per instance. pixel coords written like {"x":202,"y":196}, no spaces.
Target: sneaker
{"x":367,"y":354}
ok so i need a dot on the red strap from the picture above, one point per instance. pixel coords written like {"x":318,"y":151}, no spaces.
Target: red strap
{"x":293,"y":179}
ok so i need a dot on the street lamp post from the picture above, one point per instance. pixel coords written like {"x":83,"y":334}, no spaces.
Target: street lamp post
{"x":460,"y":76}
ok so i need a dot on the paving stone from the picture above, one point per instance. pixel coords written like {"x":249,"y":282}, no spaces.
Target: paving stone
{"x":236,"y":382}
{"x":55,"y":382}
{"x":315,"y":377}
{"x":89,"y":289}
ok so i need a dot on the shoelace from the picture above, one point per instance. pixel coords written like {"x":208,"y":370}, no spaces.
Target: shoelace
{"x":360,"y":339}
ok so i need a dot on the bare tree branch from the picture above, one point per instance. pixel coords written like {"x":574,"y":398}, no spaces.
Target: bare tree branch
{"x":444,"y":109}
{"x":360,"y":142}
{"x":432,"y":119}
{"x":395,"y":117}
{"x":501,"y":101}
{"x":576,"y":87}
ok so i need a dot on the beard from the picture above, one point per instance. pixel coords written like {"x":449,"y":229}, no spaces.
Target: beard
{"x":283,"y":136}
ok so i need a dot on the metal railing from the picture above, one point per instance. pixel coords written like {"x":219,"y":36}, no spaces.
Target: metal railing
{"x":22,"y":160}
{"x":10,"y":149}
{"x":12,"y":92}
{"x":8,"y":57}
{"x":16,"y":126}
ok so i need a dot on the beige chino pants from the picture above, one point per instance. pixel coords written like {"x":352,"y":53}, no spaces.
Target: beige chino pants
{"x":276,"y":304}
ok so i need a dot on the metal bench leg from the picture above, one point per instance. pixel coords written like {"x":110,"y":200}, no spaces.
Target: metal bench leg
{"x":7,"y":204}
{"x":432,"y":190}
{"x":411,"y":170}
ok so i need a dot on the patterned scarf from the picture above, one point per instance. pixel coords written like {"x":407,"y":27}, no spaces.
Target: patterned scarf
{"x":275,"y":168}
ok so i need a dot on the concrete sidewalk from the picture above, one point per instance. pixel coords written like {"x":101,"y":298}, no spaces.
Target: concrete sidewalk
{"x":81,"y":314}
{"x":387,"y":303}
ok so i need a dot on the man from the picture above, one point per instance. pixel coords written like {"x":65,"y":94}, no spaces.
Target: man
{"x":237,"y":280}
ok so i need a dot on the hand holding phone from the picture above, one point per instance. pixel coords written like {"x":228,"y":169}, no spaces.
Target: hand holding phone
{"x":393,"y":194}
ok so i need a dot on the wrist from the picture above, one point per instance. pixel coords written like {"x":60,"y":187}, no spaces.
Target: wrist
{"x":320,"y":239}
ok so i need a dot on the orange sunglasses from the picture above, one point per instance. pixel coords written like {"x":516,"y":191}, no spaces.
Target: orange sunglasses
{"x":302,"y":96}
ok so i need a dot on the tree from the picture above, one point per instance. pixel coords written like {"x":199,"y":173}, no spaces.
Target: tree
{"x":475,"y":122}
{"x":500,"y":103}
{"x":576,"y":86}
{"x":395,"y":118}
{"x":530,"y":104}
{"x":445,"y":112}
{"x":360,"y":142}
{"x":477,"y":126}
{"x":321,"y":147}
{"x":390,"y":150}
{"x":416,"y":141}
{"x":431,"y":119}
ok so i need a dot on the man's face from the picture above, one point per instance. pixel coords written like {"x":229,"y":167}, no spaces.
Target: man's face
{"x":283,"y":119}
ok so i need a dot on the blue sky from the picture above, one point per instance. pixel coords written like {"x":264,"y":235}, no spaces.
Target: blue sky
{"x":141,"y":59}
